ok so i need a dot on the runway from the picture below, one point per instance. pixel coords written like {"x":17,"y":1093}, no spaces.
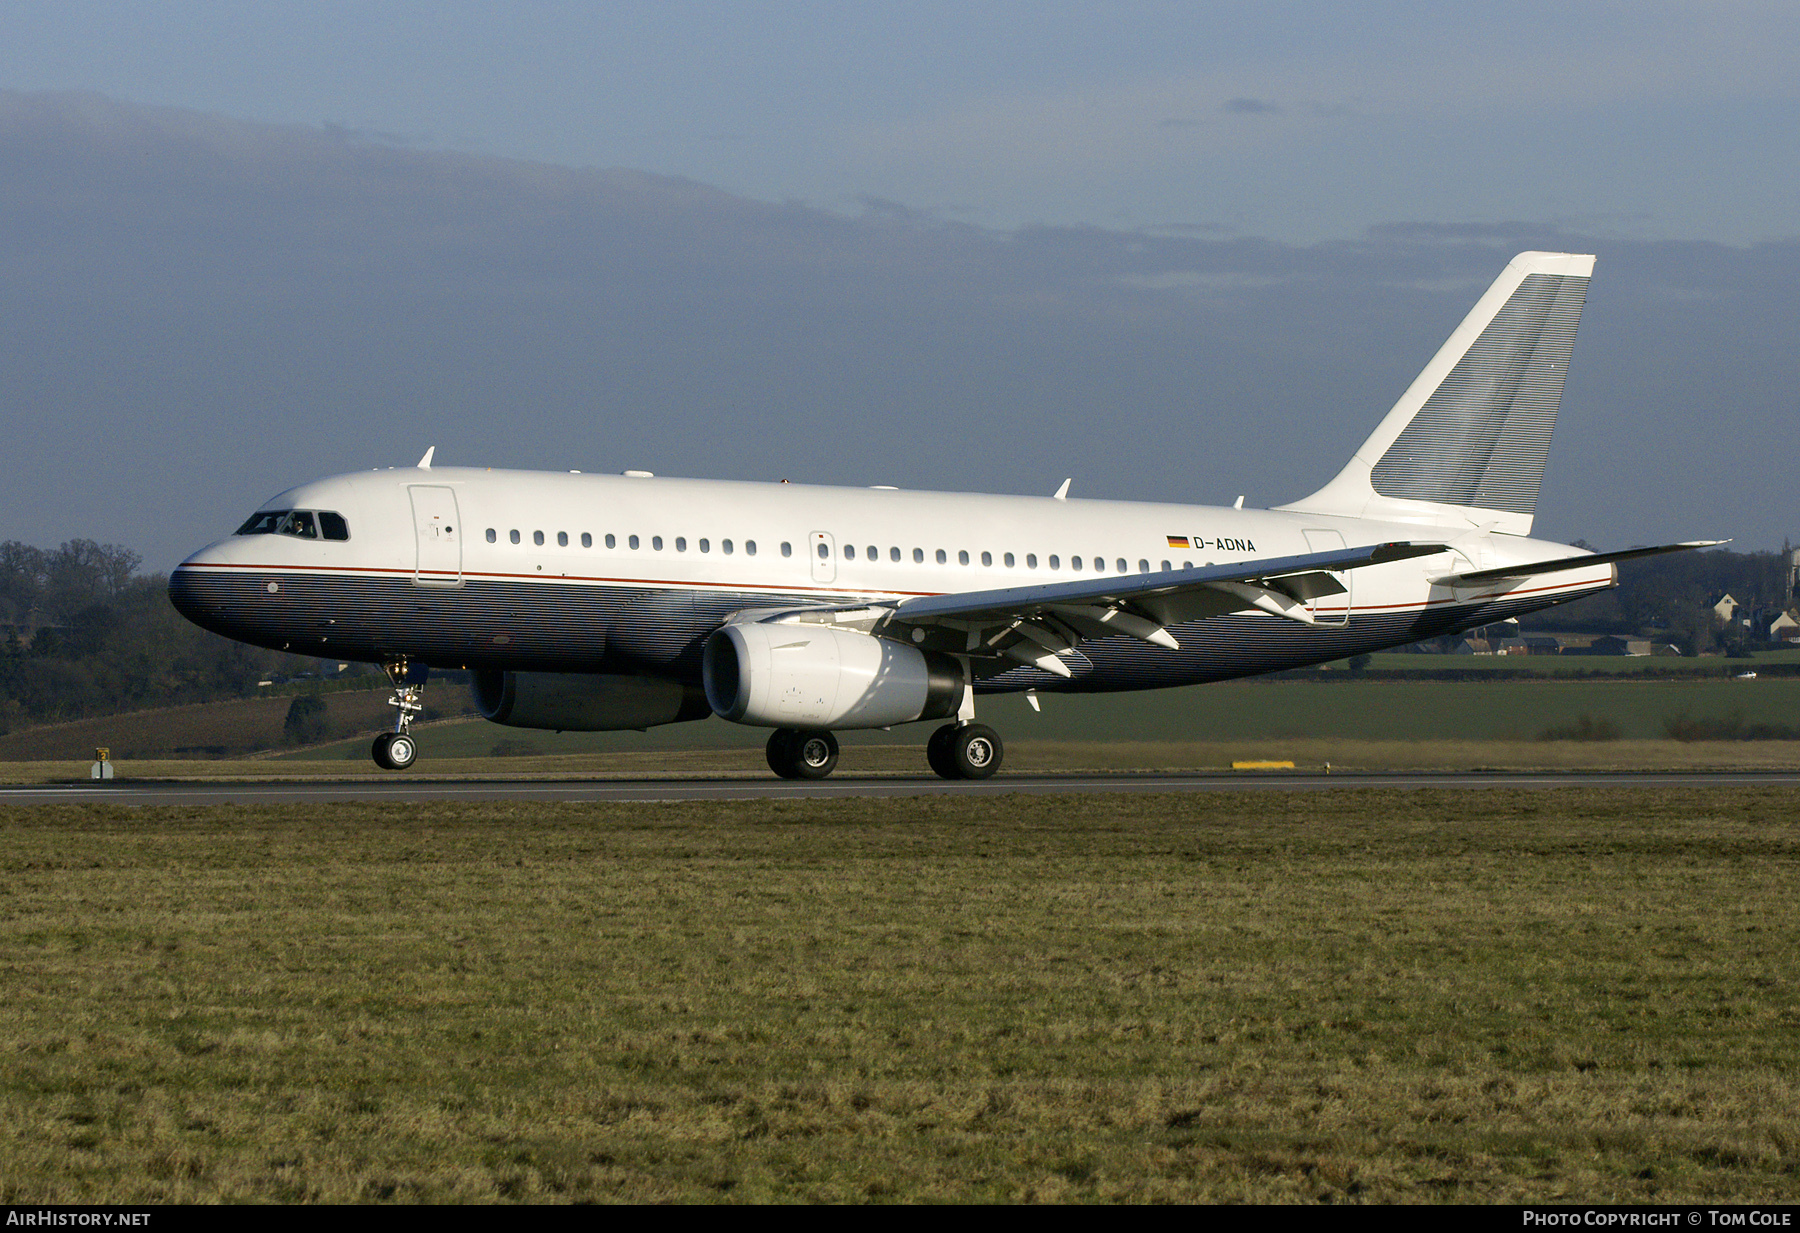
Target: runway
{"x":278,"y":792}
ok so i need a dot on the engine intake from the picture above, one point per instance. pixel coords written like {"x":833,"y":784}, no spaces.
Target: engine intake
{"x":820,"y":676}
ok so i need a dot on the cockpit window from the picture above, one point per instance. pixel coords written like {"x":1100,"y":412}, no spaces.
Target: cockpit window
{"x":300,"y":523}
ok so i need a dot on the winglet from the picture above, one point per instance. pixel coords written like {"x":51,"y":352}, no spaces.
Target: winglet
{"x":1062,"y":494}
{"x":425,"y":462}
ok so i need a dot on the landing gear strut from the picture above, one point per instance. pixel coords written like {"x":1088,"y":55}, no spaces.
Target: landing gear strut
{"x":794,"y":754}
{"x":965,"y":751}
{"x":396,"y":750}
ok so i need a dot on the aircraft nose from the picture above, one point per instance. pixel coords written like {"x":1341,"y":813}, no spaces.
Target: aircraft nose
{"x":195,"y":591}
{"x":187,"y":592}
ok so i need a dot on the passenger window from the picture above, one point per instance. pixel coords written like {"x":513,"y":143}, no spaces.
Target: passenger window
{"x":824,"y":551}
{"x":962,"y":557}
{"x":333,"y":526}
{"x":1008,"y":558}
{"x":1055,"y":561}
{"x":787,"y":549}
{"x":681,"y":543}
{"x":872,"y":553}
{"x":633,"y":542}
{"x":749,"y":547}
{"x":893,"y":554}
{"x":725,"y":544}
{"x":849,"y":551}
{"x":1031,"y":560}
{"x":987,"y":558}
{"x":513,"y":536}
{"x":562,"y":539}
{"x":537,"y":537}
{"x":656,"y":542}
{"x":491,"y":536}
{"x":706,"y":545}
{"x":1166,"y":566}
{"x":1121,"y":564}
{"x":1074,"y":563}
{"x":941,"y":558}
{"x":1143,"y":566}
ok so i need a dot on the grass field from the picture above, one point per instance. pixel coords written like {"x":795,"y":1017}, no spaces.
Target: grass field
{"x":1234,"y":711}
{"x":1676,"y":666}
{"x":1330,"y":709}
{"x":1361,"y":995}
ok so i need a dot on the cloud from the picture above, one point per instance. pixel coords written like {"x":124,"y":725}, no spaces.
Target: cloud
{"x":202,"y":312}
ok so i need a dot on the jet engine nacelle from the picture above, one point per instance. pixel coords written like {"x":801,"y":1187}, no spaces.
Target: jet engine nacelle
{"x":581,"y":702}
{"x":820,"y":676}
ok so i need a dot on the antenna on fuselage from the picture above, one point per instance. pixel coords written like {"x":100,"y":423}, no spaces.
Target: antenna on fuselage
{"x":1062,"y":494}
{"x":425,"y":462}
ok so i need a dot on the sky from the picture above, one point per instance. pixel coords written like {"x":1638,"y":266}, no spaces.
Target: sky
{"x":1178,"y":251}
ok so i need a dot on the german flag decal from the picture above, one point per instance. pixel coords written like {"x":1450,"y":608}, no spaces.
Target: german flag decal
{"x":1178,"y":541}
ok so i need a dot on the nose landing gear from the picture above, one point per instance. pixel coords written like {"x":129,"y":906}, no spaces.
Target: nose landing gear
{"x":397,"y":750}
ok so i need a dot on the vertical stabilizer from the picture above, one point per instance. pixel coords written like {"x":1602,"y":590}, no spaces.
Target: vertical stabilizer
{"x":1467,"y":442}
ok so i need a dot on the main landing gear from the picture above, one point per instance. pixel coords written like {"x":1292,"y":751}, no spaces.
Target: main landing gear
{"x":802,"y":755}
{"x":965,"y":751}
{"x":397,"y":750}
{"x":955,"y":751}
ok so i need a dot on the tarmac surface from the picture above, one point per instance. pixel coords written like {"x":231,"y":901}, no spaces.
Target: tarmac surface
{"x":270,"y":792}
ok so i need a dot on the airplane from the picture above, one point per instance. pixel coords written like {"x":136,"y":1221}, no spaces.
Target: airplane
{"x":613,"y":602}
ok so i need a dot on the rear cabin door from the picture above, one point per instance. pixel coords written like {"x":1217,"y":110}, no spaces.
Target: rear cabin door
{"x":1330,"y":609}
{"x":439,"y":534}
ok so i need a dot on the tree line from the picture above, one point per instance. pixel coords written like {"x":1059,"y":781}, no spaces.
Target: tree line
{"x":1670,"y":599}
{"x":86,"y":634}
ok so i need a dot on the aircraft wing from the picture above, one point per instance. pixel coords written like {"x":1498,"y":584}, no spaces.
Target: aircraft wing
{"x":1562,"y":563}
{"x":1033,"y":624}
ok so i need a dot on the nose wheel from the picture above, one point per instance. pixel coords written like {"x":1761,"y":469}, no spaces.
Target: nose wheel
{"x":394,"y":751}
{"x":965,"y":751}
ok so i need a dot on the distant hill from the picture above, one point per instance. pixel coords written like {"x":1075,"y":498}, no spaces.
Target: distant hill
{"x":225,"y":729}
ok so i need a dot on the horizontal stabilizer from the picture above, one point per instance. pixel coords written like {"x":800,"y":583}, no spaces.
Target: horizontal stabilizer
{"x":1587,"y":558}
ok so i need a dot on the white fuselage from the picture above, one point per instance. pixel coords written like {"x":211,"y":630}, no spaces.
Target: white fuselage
{"x":585,"y":573}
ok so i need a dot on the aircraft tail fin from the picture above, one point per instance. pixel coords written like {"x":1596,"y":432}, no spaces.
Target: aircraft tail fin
{"x":1466,"y":444}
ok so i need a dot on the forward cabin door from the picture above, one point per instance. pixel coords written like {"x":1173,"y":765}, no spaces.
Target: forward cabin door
{"x":1330,"y":609}
{"x":439,"y":534}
